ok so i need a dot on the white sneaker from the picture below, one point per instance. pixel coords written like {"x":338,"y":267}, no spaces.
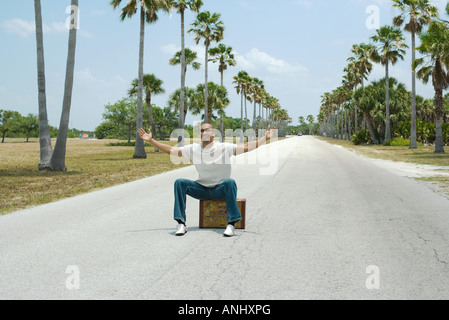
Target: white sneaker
{"x":230,"y":231}
{"x":181,"y":230}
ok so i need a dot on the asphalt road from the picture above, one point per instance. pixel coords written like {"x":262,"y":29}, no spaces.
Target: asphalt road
{"x":325,"y":224}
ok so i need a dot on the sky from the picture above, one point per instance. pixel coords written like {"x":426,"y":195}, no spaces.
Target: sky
{"x":299,"y":48}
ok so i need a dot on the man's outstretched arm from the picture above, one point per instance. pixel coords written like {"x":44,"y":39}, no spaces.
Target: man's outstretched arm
{"x":148,"y":137}
{"x":253,"y":145}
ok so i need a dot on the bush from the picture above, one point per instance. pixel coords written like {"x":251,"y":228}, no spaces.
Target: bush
{"x":399,"y":142}
{"x":125,"y":144}
{"x":361,"y":137}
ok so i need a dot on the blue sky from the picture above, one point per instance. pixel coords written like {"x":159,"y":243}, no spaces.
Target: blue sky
{"x":297,"y":47}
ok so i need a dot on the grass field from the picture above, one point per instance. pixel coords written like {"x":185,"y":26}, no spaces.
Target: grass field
{"x":91,"y":165}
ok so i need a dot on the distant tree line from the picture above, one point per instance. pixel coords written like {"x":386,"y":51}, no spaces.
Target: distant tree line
{"x":15,"y":125}
{"x":384,"y":110}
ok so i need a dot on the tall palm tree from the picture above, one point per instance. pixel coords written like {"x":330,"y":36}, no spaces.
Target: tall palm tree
{"x":190,"y":57}
{"x":363,"y":54}
{"x":391,"y":49}
{"x":152,"y":86}
{"x":217,"y":99}
{"x":57,"y":160}
{"x":210,"y":28}
{"x":182,"y":6}
{"x":351,"y":79}
{"x":415,"y":14}
{"x":365,"y":99}
{"x":148,"y":14}
{"x":174,"y":101}
{"x":224,"y":57}
{"x":256,"y":90}
{"x":435,"y":63}
{"x":44,"y":131}
{"x":239,"y":81}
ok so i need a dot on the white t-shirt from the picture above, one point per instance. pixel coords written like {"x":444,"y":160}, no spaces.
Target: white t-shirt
{"x":212,"y":163}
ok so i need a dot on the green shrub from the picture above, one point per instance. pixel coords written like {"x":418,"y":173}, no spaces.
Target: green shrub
{"x":125,"y":144}
{"x":361,"y":137}
{"x":399,"y":142}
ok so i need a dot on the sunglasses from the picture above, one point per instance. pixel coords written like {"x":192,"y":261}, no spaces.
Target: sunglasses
{"x":206,"y":130}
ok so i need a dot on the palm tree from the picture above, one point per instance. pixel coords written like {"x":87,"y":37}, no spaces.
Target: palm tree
{"x":209,"y":27}
{"x":351,"y":79}
{"x":217,"y":99}
{"x":391,"y":49}
{"x":362,"y":67}
{"x":224,"y":56}
{"x":152,"y":86}
{"x":239,"y":82}
{"x":148,"y":14}
{"x":189,"y":59}
{"x":182,"y":6}
{"x":415,"y":14}
{"x":255,"y":90}
{"x":310,"y":119}
{"x":366,"y":100}
{"x":57,"y":160}
{"x":174,"y":101}
{"x":44,"y":131}
{"x":435,"y":63}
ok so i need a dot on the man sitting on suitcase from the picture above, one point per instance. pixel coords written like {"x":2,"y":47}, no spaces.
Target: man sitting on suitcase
{"x":212,"y":162}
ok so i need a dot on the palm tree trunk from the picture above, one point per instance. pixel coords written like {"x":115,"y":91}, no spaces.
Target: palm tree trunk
{"x":439,"y":143}
{"x":349,"y":127}
{"x":206,"y":92}
{"x":241,"y":118}
{"x":413,"y":144}
{"x":222,"y":115}
{"x":44,"y":131}
{"x":254,"y":116}
{"x":150,"y":115}
{"x":338,"y":123}
{"x":183,"y":80}
{"x":369,"y":124}
{"x":387,"y":105}
{"x":355,"y":113}
{"x":246,"y":113}
{"x":57,"y":161}
{"x":139,"y":151}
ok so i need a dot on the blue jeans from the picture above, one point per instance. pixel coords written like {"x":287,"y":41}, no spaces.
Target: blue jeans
{"x":226,"y":191}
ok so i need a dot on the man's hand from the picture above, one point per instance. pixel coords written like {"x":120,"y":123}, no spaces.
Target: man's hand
{"x":145,"y":136}
{"x":270,"y":133}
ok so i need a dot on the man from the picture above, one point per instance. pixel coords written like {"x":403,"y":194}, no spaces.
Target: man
{"x":212,"y":162}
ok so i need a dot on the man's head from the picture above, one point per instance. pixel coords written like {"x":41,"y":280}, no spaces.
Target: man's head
{"x":207,"y":133}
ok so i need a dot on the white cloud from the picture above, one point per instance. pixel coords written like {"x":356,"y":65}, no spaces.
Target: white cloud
{"x":171,"y":49}
{"x":258,"y":60}
{"x":20,"y":27}
{"x":24,"y":28}
{"x":305,"y":3}
{"x":55,"y":28}
{"x":254,"y":60}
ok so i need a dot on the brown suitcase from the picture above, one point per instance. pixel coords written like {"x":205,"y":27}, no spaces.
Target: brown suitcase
{"x":213,"y":214}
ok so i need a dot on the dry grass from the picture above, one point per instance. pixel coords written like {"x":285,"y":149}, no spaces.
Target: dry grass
{"x":91,"y":166}
{"x":422,"y":155}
